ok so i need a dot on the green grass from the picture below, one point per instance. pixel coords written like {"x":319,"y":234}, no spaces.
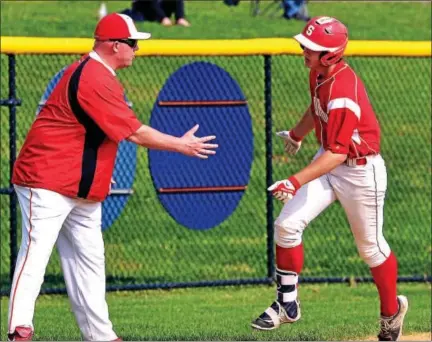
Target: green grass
{"x":329,"y":312}
{"x":145,"y":245}
{"x":212,"y":20}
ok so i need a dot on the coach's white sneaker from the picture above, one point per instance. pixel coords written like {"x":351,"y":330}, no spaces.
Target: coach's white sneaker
{"x":391,"y":327}
{"x":277,"y":314}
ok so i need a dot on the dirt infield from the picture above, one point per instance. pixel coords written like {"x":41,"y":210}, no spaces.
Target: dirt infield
{"x":412,"y":337}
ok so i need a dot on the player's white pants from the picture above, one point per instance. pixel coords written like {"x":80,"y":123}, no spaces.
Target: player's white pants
{"x":360,"y":190}
{"x":75,"y":224}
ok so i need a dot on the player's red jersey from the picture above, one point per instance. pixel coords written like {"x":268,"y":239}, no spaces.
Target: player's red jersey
{"x":72,"y":144}
{"x":344,"y":118}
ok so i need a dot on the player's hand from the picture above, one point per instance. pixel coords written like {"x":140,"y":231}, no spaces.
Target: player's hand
{"x":284,"y":190}
{"x":292,"y":143}
{"x":197,"y":147}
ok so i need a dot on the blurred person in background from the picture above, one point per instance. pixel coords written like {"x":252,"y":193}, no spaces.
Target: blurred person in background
{"x":295,"y":9}
{"x":158,"y":10}
{"x":292,"y":9}
{"x":231,"y":2}
{"x":63,"y":173}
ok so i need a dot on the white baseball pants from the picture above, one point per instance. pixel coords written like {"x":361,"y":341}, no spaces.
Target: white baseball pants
{"x":75,"y":224}
{"x":360,"y":190}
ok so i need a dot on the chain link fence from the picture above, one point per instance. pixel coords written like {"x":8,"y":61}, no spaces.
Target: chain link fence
{"x":145,"y":246}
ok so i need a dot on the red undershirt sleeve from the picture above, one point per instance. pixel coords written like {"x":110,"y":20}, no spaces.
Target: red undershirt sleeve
{"x":341,"y":125}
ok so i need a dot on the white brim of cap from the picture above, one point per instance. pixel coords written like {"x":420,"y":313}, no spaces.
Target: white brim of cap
{"x":311,"y":45}
{"x":140,"y":35}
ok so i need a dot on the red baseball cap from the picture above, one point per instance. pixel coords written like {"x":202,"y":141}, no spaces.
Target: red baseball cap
{"x":118,"y":26}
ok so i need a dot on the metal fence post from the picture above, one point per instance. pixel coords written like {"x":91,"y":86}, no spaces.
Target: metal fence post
{"x":13,"y":102}
{"x":269,"y":168}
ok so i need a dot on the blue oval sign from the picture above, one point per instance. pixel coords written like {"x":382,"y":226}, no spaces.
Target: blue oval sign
{"x":201,"y":194}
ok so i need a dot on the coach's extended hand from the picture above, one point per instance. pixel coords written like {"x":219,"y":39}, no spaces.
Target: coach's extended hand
{"x":196,"y":147}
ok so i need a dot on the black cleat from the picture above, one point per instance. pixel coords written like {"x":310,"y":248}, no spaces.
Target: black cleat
{"x":277,"y":314}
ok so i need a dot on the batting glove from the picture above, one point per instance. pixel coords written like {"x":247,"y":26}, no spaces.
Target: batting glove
{"x":292,"y":143}
{"x":285,"y":190}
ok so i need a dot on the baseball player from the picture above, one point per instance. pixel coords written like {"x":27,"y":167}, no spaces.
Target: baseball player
{"x":348,"y":167}
{"x":63,"y":173}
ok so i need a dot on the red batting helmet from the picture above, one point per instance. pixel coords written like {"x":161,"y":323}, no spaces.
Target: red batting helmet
{"x":325,"y":34}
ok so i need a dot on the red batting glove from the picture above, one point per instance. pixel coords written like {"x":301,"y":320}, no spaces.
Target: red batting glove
{"x":285,"y":190}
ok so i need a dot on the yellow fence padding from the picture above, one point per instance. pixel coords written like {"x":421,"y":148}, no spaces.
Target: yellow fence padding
{"x":240,"y":47}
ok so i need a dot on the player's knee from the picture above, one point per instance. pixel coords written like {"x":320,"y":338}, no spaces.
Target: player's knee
{"x":374,"y":255}
{"x":288,"y":233}
{"x":374,"y":250}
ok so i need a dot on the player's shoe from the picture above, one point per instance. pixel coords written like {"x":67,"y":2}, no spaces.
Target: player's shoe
{"x":391,"y":327}
{"x":277,"y":314}
{"x":21,"y":333}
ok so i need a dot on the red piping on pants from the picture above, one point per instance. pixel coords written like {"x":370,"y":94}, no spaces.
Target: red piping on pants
{"x":25,"y":260}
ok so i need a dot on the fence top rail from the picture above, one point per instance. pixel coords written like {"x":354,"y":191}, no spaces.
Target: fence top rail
{"x":240,"y":47}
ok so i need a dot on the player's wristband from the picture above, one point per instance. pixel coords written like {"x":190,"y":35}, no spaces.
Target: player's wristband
{"x":294,"y":137}
{"x":294,"y":182}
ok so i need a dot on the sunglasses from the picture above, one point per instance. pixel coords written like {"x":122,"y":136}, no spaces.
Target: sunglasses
{"x":133,"y":43}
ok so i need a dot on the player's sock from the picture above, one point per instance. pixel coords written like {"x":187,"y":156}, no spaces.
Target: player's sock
{"x":289,"y":263}
{"x":290,"y":259}
{"x":385,"y":277}
{"x":286,"y":307}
